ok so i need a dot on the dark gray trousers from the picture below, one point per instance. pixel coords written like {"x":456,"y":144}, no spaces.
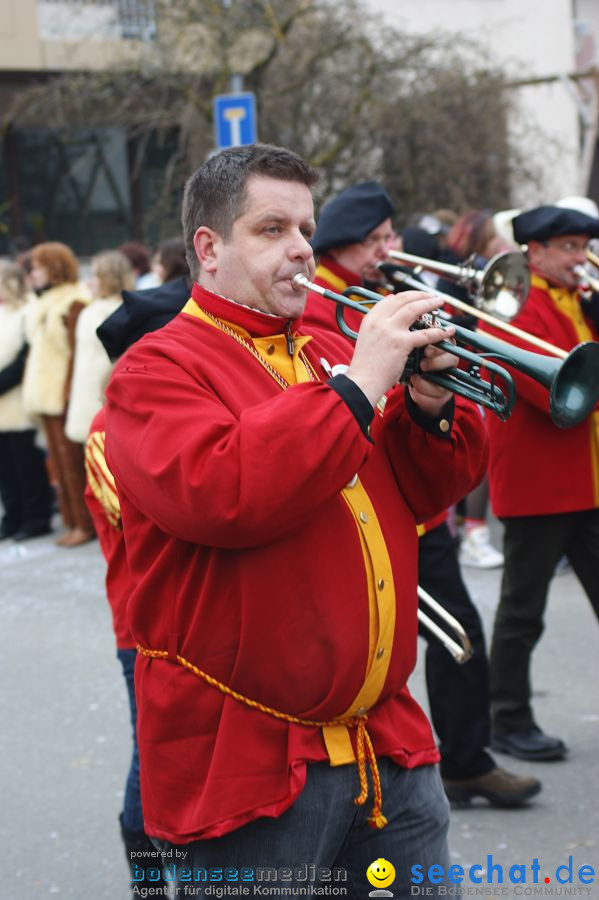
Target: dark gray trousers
{"x":325,"y":830}
{"x":532,"y":546}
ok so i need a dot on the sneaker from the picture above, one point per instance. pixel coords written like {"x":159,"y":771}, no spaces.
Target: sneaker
{"x":476,"y":550}
{"x":499,"y":787}
{"x":563,"y":567}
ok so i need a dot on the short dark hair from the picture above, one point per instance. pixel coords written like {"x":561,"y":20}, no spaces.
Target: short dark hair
{"x":216,"y":192}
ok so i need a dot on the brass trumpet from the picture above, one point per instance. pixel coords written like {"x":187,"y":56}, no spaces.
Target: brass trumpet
{"x":572,"y":379}
{"x":586,"y":281}
{"x":500,"y":288}
{"x":460,"y":649}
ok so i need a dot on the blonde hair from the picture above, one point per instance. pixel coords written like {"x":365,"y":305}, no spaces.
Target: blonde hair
{"x":13,"y":290}
{"x":114,"y":273}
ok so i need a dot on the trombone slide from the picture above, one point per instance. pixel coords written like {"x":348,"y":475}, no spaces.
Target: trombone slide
{"x":460,"y":649}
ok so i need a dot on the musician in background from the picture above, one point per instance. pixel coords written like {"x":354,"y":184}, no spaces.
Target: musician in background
{"x":353,"y":236}
{"x":350,"y":238}
{"x":269,"y":515}
{"x":544,"y":480}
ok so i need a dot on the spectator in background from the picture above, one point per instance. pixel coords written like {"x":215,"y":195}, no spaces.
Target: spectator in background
{"x":141,"y":263}
{"x":111,"y":274}
{"x":473,"y":238}
{"x":447,"y":218}
{"x":502,"y":222}
{"x":418,"y":241}
{"x":24,"y":262}
{"x":50,"y":328}
{"x":24,"y":488}
{"x":170,"y":261}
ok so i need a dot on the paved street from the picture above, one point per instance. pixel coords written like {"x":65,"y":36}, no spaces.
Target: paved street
{"x":65,"y":736}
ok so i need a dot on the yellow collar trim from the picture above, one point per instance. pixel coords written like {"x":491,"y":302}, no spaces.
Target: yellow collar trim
{"x":568,"y":303}
{"x":272,"y":348}
{"x":338,"y":283}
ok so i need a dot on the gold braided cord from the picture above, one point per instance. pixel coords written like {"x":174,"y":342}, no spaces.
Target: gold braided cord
{"x":365,"y":750}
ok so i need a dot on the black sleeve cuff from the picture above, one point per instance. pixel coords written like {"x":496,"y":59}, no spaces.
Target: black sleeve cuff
{"x":440,"y":425}
{"x":356,"y":399}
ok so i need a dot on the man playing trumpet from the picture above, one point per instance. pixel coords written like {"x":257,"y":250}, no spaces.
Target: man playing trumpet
{"x":269,"y":512}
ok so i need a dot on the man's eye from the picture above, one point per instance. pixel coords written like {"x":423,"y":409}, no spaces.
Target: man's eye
{"x":273,"y":229}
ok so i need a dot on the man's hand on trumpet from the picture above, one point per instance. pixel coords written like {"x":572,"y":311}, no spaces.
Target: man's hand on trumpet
{"x":385,"y":342}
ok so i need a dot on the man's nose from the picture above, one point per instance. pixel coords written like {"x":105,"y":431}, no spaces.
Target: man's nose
{"x":300,"y":248}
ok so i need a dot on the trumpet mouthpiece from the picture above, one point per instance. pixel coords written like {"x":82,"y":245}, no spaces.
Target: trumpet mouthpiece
{"x":300,"y":281}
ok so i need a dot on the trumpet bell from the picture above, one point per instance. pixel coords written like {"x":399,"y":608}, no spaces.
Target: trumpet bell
{"x":573,"y":392}
{"x":504,"y":286}
{"x":499,"y":289}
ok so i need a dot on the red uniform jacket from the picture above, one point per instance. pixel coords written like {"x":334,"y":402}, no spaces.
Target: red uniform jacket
{"x":537,"y":468}
{"x":259,"y":558}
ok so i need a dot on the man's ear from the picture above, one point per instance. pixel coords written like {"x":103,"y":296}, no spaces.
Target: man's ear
{"x":535,"y":249}
{"x":206,"y":242}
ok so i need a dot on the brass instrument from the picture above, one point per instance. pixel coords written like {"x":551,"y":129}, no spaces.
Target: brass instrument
{"x":572,"y":379}
{"x":461,"y":651}
{"x":496,"y":308}
{"x":500,"y":288}
{"x":586,"y":281}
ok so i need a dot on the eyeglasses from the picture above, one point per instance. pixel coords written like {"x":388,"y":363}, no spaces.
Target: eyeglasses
{"x":372,"y":240}
{"x":569,"y":246}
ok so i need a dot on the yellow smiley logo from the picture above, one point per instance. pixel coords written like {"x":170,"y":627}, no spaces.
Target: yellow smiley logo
{"x":380,"y":873}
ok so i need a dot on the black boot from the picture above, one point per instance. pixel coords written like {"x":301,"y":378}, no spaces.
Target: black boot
{"x":138,"y":842}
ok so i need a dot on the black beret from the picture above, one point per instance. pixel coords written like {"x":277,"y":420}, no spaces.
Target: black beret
{"x":352,"y":215}
{"x":546,"y":222}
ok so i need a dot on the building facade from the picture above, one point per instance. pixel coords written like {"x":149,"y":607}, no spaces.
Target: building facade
{"x":81,"y":185}
{"x":542,"y":46}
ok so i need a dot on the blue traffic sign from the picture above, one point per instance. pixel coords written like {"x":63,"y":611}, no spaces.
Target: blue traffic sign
{"x":234,"y":119}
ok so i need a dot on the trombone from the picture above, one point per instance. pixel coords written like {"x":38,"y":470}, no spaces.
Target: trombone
{"x":572,"y":379}
{"x":460,"y":649}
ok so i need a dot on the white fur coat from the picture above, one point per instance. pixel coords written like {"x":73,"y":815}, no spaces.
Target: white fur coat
{"x":12,"y":339}
{"x":91,"y":369}
{"x":49,"y":357}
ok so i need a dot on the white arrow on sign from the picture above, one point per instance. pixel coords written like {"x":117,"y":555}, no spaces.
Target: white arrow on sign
{"x":234,"y":116}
